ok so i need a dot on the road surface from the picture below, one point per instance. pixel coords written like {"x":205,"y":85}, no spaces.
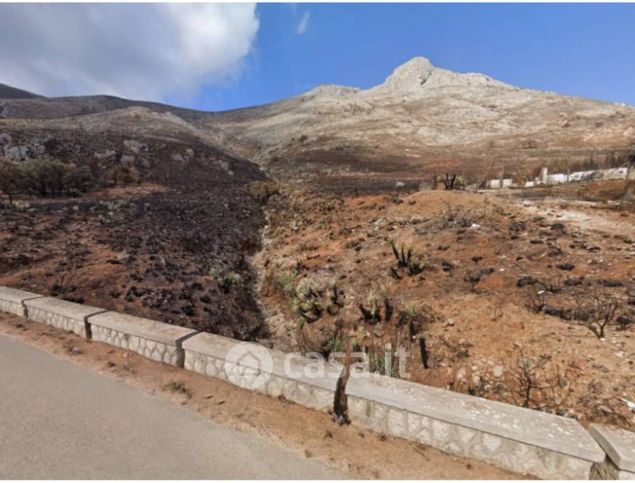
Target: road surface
{"x":62,"y":421}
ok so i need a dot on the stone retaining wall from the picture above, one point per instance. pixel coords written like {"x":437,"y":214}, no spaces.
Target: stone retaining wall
{"x":61,"y":314}
{"x":154,"y":340}
{"x":514,"y":438}
{"x":270,"y":372}
{"x":518,"y":439}
{"x":12,"y":300}
{"x":619,"y":446}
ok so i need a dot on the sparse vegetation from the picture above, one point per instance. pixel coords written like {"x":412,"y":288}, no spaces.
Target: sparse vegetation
{"x":262,"y":191}
{"x":456,"y":215}
{"x":227,"y":280}
{"x":376,"y":311}
{"x":44,"y":178}
{"x":287,"y":283}
{"x":597,"y":311}
{"x":405,"y":260}
{"x":11,"y":179}
{"x":540,"y":383}
{"x":451,"y":181}
{"x":483,"y":268}
{"x":178,"y":387}
{"x":66,"y":278}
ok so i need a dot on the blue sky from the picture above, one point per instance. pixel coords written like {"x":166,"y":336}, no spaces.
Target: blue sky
{"x":585,"y":49}
{"x":223,"y":56}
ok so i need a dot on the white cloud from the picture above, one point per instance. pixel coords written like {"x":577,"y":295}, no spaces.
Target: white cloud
{"x":142,"y":51}
{"x":303,"y":26}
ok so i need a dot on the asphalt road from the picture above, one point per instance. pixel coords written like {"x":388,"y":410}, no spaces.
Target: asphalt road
{"x":62,"y":421}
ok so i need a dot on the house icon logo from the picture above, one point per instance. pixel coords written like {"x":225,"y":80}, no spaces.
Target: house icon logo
{"x":248,"y":365}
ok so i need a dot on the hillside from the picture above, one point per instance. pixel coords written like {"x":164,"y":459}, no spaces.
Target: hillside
{"x":422,"y":120}
{"x":173,"y":215}
{"x":8,"y":92}
{"x":425,"y":119}
{"x":161,"y":228}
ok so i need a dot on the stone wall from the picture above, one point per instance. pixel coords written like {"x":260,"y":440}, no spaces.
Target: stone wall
{"x":270,"y":372}
{"x":154,"y":340}
{"x":12,"y":300}
{"x":518,"y":439}
{"x":608,"y":471}
{"x":619,"y":446}
{"x":61,"y":314}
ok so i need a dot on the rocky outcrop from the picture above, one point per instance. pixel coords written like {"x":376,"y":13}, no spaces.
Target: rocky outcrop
{"x":425,"y":116}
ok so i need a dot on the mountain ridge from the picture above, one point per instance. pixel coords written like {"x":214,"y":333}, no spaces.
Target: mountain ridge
{"x":9,"y":92}
{"x":422,"y":119}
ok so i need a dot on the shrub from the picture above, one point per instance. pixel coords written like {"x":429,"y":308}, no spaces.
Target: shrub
{"x":45,"y":177}
{"x":261,"y":191}
{"x":597,"y":311}
{"x":405,"y":259}
{"x":286,"y":280}
{"x":78,"y":179}
{"x":226,"y":281}
{"x":42,"y":177}
{"x":124,"y":175}
{"x":11,"y":178}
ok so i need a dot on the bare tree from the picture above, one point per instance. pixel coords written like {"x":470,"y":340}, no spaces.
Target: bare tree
{"x":538,"y":382}
{"x":597,"y":311}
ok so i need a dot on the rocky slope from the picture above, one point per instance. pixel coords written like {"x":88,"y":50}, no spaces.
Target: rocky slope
{"x":422,"y":120}
{"x":163,"y":231}
{"x":427,"y":117}
{"x":8,"y":92}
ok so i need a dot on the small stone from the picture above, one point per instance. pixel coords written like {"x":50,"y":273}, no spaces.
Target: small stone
{"x":498,"y":371}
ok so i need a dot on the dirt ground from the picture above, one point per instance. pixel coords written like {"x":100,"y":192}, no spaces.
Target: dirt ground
{"x":499,"y":298}
{"x":355,"y":452}
{"x":150,"y":250}
{"x":524,"y":297}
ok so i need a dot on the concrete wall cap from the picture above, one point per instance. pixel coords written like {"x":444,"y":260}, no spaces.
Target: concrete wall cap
{"x":17,"y":296}
{"x":527,"y":426}
{"x":618,"y":444}
{"x":300,"y":367}
{"x":62,"y":307}
{"x":140,"y":327}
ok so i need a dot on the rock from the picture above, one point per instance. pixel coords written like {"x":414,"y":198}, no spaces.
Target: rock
{"x":558,"y":227}
{"x":566,"y":266}
{"x":407,"y":78}
{"x":526,"y":280}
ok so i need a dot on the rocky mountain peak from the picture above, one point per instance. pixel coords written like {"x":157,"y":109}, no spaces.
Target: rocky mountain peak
{"x":410,"y":75}
{"x":418,"y":76}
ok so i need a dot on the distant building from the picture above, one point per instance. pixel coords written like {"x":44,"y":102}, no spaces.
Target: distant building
{"x":544,"y":178}
{"x":495,"y":184}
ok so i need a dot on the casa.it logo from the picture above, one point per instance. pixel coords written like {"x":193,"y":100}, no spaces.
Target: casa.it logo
{"x":248,"y":365}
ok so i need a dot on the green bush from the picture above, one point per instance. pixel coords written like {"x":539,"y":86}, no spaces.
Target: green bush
{"x":44,"y":178}
{"x":11,"y":178}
